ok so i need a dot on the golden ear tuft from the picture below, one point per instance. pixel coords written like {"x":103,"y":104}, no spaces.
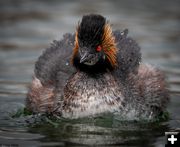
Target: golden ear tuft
{"x":76,"y":46}
{"x":109,"y":45}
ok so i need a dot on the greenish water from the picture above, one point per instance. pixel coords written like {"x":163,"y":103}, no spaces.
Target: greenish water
{"x":27,"y":27}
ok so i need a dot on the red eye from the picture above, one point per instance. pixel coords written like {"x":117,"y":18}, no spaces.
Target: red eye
{"x":98,"y":49}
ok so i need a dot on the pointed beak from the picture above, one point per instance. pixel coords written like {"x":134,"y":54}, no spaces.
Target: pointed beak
{"x":85,"y":57}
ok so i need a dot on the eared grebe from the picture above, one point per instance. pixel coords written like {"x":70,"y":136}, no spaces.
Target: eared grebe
{"x":108,"y":76}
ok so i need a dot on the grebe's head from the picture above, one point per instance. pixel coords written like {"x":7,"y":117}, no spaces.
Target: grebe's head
{"x":94,"y":42}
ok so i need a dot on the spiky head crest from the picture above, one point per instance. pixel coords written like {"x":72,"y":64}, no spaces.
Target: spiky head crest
{"x":90,"y":30}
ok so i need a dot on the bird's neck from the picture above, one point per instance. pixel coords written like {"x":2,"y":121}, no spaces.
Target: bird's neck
{"x":101,"y":66}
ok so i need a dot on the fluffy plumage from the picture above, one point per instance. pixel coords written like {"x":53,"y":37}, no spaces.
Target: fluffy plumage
{"x":116,"y":82}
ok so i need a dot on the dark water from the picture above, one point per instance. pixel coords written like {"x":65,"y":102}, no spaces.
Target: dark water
{"x":26,"y":27}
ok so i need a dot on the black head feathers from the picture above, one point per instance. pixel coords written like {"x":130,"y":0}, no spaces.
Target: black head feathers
{"x":90,"y":30}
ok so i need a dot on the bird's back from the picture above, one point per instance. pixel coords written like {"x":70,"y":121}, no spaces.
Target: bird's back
{"x":55,"y":61}
{"x":52,"y":70}
{"x":128,"y":55}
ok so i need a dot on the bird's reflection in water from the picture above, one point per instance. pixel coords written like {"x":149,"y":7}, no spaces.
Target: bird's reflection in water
{"x":106,"y":130}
